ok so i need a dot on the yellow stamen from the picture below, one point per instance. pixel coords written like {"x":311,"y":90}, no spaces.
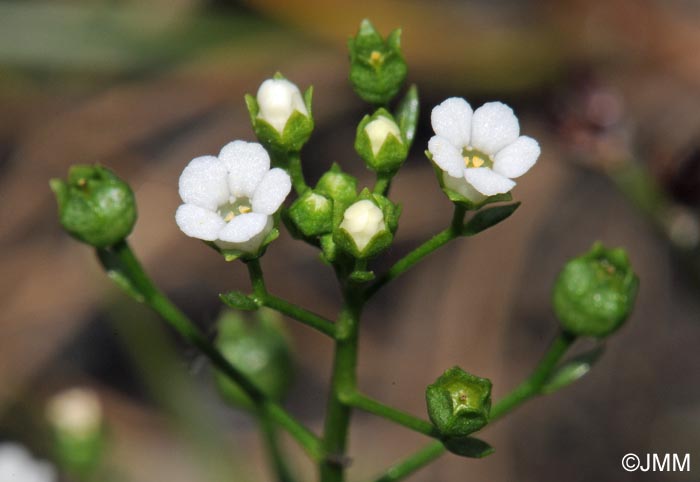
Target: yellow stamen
{"x":82,"y":182}
{"x":375,"y":57}
{"x":244,"y":209}
{"x":477,"y":161}
{"x":229,"y":216}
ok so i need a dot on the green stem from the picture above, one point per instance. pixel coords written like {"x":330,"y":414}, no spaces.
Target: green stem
{"x":343,"y":381}
{"x":121,"y":264}
{"x":309,"y":318}
{"x":269,"y":433}
{"x":415,"y":256}
{"x":420,"y":459}
{"x":370,"y":405}
{"x":531,"y":387}
{"x":296,"y":173}
{"x":382,"y":185}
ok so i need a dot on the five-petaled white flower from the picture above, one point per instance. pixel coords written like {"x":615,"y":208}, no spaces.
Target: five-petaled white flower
{"x":479,"y":151}
{"x":277,"y":100}
{"x":230,"y":199}
{"x":18,"y":465}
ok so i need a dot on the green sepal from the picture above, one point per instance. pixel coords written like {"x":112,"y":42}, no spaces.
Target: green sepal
{"x":573,"y":370}
{"x":407,"y":115}
{"x":361,"y":276}
{"x":329,"y":250}
{"x":239,"y":301}
{"x":376,"y":78}
{"x":595,"y":293}
{"x":458,"y":198}
{"x":79,"y":455}
{"x":95,"y":206}
{"x":340,"y":186}
{"x":392,"y":153}
{"x":458,"y":403}
{"x":487,"y":218}
{"x":310,"y":215}
{"x":470,"y":447}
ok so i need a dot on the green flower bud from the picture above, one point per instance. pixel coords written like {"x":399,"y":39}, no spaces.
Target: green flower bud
{"x":260,"y":350}
{"x":339,"y":186}
{"x":595,"y":292}
{"x":75,"y":418}
{"x":310,"y":215}
{"x":377,"y":67}
{"x":459,"y":403}
{"x":380,"y":144}
{"x":94,"y":205}
{"x":281,"y":118}
{"x":367,"y":226}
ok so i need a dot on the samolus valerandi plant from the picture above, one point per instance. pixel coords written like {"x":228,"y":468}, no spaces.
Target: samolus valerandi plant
{"x":235,"y":203}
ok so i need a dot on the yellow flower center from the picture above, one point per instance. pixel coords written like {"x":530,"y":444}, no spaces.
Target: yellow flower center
{"x":475,"y":158}
{"x":232,"y":209}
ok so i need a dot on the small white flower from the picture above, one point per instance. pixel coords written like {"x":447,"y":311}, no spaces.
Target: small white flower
{"x":480,"y":151}
{"x":230,"y":199}
{"x":362,"y":221}
{"x":76,"y":411}
{"x":378,"y":130}
{"x":277,"y":101}
{"x":18,"y":465}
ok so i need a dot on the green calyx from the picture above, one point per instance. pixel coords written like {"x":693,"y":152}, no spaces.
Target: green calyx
{"x":595,"y":293}
{"x":377,"y":66}
{"x":311,"y":215}
{"x":297,"y":129}
{"x":367,"y":226}
{"x":380,"y":142}
{"x":260,"y":349}
{"x":458,"y":403}
{"x":94,"y":205}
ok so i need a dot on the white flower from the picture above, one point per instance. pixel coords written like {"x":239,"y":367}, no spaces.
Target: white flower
{"x":480,"y":151}
{"x":277,"y":101}
{"x":362,"y":221}
{"x":230,"y":199}
{"x":378,"y":130}
{"x":18,"y":465}
{"x":76,"y":411}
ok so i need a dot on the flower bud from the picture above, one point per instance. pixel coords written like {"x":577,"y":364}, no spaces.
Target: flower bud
{"x":339,"y":186}
{"x":377,"y":67}
{"x":380,"y":144}
{"x":259,"y":349}
{"x":595,"y":292}
{"x":311,"y":215}
{"x":367,"y":226}
{"x":94,"y":205}
{"x":458,"y":403}
{"x":75,"y":417}
{"x":281,"y":117}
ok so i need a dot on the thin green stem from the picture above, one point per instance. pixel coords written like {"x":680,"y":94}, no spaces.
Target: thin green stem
{"x":296,"y":173}
{"x":271,"y":440}
{"x":300,"y":314}
{"x":370,"y":405}
{"x":344,"y":380}
{"x":531,"y":387}
{"x":415,"y":256}
{"x":121,"y":264}
{"x":383,"y":184}
{"x":420,"y":459}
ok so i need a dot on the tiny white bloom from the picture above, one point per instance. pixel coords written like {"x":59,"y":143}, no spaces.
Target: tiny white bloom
{"x":18,"y":465}
{"x":363,"y":220}
{"x":378,"y":130}
{"x":480,"y":151}
{"x":76,"y":411}
{"x":230,"y":199}
{"x":277,"y":101}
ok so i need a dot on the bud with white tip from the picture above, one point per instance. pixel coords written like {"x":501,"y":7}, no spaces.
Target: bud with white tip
{"x":367,"y":225}
{"x":380,"y":143}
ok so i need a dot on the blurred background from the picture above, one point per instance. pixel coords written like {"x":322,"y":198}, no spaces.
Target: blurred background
{"x":611,"y":89}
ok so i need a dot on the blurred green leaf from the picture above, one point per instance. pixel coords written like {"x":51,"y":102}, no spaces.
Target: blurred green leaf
{"x":487,"y":218}
{"x":407,"y":114}
{"x":573,"y":370}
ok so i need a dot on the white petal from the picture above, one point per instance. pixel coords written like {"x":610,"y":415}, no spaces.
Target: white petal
{"x":277,"y":100}
{"x":204,"y":183}
{"x":247,"y":163}
{"x":461,"y":186}
{"x":198,"y":222}
{"x":272,"y":191}
{"x":494,"y":126}
{"x":453,"y":120}
{"x":517,"y":158}
{"x":488,"y":182}
{"x":243,"y":227}
{"x":446,"y":155}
